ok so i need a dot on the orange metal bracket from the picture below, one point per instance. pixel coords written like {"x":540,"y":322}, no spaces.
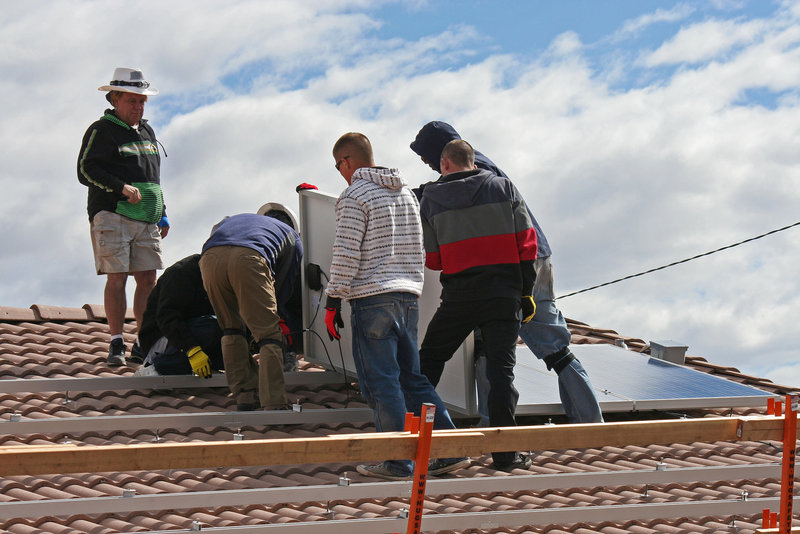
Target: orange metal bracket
{"x":421,"y":468}
{"x":423,"y":427}
{"x":783,"y":519}
{"x":787,"y":470}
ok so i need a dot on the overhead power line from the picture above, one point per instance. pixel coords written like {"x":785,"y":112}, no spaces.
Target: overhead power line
{"x":679,"y":262}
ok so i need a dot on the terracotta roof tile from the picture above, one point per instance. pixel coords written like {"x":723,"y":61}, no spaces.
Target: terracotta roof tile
{"x":55,"y":342}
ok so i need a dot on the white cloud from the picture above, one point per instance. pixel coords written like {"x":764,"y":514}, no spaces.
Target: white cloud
{"x":705,"y":41}
{"x":642,"y":22}
{"x":622,"y":179}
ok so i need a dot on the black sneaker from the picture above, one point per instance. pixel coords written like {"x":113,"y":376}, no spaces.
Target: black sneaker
{"x":247,"y":401}
{"x":116,"y":353}
{"x":381,"y":471}
{"x":521,"y":461}
{"x":136,"y":357}
{"x":440,"y":466}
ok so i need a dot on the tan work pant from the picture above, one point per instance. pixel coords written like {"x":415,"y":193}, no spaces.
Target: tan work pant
{"x":241,"y":289}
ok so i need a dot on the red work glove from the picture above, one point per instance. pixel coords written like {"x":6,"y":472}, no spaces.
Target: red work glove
{"x":285,"y":331}
{"x":305,"y":186}
{"x":333,"y":317}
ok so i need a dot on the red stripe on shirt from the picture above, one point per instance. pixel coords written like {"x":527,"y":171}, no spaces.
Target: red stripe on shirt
{"x":527,"y":244}
{"x":479,"y":251}
{"x":433,"y":260}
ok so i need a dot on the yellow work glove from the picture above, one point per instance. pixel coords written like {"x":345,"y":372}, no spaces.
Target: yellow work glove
{"x":199,"y":361}
{"x":528,"y":308}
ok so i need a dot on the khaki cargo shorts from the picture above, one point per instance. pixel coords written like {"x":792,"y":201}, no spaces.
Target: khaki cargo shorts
{"x":123,"y":245}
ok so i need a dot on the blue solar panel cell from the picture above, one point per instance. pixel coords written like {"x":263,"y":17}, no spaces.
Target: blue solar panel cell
{"x":627,"y":380}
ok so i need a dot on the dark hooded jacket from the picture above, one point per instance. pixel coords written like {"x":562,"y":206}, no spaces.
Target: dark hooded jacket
{"x":430,"y":142}
{"x":114,"y":154}
{"x":178,"y":296}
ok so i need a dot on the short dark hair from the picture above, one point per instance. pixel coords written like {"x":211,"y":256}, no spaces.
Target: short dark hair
{"x":460,"y":153}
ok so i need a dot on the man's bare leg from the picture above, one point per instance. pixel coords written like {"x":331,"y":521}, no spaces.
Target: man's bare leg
{"x":115,"y":301}
{"x":145,"y":282}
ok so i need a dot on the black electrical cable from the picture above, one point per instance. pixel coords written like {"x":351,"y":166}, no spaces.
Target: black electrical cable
{"x":327,"y":354}
{"x":679,"y":262}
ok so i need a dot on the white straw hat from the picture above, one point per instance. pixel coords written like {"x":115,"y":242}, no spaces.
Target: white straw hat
{"x":129,"y":81}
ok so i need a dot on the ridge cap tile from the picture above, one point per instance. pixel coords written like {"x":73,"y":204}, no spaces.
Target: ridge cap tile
{"x":59,"y":313}
{"x":8,"y":313}
{"x":97,"y":312}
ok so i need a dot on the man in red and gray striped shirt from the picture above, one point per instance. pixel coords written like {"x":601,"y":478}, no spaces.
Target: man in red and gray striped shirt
{"x":478,"y":232}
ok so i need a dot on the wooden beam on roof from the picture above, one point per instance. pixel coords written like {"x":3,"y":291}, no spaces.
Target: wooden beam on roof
{"x":30,"y":460}
{"x":620,"y":434}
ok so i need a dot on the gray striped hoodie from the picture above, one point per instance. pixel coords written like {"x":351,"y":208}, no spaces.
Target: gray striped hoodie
{"x":378,"y":246}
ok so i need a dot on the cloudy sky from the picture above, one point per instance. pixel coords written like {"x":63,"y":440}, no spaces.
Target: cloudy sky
{"x":640,"y":132}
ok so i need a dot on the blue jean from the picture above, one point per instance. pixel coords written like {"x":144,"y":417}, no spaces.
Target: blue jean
{"x":546,"y":334}
{"x":387,"y":363}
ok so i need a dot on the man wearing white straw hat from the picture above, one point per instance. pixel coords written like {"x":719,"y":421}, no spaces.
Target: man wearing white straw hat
{"x":119,"y":162}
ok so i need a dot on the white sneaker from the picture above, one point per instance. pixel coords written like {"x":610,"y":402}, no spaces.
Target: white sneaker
{"x":150,"y":370}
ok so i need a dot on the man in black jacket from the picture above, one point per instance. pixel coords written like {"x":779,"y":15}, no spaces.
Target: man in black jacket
{"x":179,"y":333}
{"x":119,"y":163}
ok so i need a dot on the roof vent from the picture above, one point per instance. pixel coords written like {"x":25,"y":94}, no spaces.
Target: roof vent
{"x":668,"y":350}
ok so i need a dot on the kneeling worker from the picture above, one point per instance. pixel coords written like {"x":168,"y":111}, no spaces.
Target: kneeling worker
{"x":179,"y":332}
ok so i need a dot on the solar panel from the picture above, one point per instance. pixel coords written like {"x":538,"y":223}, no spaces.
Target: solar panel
{"x":625,"y":380}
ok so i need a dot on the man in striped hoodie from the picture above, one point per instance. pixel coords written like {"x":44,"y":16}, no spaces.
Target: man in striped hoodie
{"x":478,"y":232}
{"x":377,"y":267}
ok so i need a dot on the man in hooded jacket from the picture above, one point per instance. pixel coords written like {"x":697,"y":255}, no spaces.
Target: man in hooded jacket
{"x":377,"y":266}
{"x":546,"y":334}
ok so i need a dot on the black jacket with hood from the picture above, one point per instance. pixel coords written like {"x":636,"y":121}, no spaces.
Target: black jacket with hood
{"x":430,"y":142}
{"x":178,"y":296}
{"x":114,"y":154}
